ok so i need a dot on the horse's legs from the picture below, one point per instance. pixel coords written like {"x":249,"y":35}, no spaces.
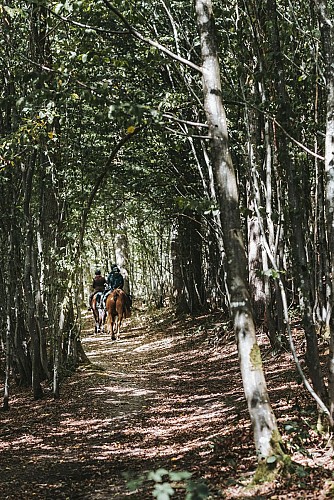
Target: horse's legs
{"x":114,"y":328}
{"x":101,"y":319}
{"x":102,"y":316}
{"x":119,"y":322}
{"x":95,"y":318}
{"x":111,"y":323}
{"x":97,"y":323}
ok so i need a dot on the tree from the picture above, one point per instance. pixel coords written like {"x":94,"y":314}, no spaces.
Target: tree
{"x":326,"y":23}
{"x":93,"y":76}
{"x":266,"y":434}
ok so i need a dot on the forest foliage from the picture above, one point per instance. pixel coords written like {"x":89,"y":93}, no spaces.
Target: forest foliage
{"x":106,"y":154}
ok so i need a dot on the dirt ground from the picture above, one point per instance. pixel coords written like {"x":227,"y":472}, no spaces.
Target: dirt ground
{"x":167,"y":395}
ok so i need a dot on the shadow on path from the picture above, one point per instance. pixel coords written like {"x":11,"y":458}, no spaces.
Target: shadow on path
{"x":161,"y":396}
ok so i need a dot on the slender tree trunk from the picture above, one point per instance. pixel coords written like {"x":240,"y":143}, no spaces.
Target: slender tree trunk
{"x":265,"y":180}
{"x":327,"y":29}
{"x":57,"y":351}
{"x":255,"y":265}
{"x":301,"y":266}
{"x":29,"y":292}
{"x":8,"y":359}
{"x":266,"y":435}
{"x":122,"y":250}
{"x":197,"y":267}
{"x":178,"y":282}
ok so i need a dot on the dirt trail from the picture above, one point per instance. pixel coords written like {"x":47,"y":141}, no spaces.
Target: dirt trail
{"x":161,"y":396}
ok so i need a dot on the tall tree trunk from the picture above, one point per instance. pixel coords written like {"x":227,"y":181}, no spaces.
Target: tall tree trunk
{"x":178,"y":282}
{"x":29,"y":293}
{"x":266,"y":435}
{"x":298,"y":224}
{"x":266,"y":180}
{"x":122,"y":249}
{"x":8,"y":356}
{"x":255,"y":265}
{"x":327,"y":30}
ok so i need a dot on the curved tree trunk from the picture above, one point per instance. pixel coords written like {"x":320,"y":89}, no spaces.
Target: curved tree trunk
{"x":266,"y":436}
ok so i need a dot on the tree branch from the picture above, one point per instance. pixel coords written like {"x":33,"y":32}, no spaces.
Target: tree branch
{"x":100,"y":178}
{"x":87,"y":26}
{"x":148,"y":41}
{"x":186,"y":122}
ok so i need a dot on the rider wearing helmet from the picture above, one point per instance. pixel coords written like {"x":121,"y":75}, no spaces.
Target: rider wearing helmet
{"x":98,"y":284}
{"x":115,"y":279}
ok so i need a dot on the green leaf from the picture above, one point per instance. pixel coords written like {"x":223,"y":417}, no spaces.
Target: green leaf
{"x":157,"y":475}
{"x":11,"y":12}
{"x":197,"y":491}
{"x":179,"y":476}
{"x":58,"y":8}
{"x":163,"y":491}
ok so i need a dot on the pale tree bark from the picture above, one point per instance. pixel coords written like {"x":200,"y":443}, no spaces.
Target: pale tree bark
{"x":5,"y":406}
{"x":327,"y":31}
{"x":266,"y":435}
{"x":122,"y":250}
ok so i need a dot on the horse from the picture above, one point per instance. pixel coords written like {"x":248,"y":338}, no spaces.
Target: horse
{"x":99,"y":312}
{"x":118,"y":307}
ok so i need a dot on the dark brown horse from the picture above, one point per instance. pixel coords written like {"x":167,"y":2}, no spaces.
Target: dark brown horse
{"x":118,"y":307}
{"x":99,"y":312}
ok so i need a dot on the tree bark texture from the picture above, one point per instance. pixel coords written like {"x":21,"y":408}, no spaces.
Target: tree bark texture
{"x":266,"y":435}
{"x":327,"y":31}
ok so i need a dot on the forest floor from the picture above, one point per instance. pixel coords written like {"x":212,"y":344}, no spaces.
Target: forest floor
{"x":168,"y":394}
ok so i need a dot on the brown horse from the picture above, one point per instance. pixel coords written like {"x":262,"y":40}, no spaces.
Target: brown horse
{"x":118,"y":307}
{"x":99,"y":312}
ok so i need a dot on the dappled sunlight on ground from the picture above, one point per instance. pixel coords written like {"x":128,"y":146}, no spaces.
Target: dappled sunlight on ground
{"x":164,"y":395}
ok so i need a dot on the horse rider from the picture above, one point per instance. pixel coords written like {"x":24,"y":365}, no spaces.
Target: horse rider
{"x":114,"y":280}
{"x":98,"y":285}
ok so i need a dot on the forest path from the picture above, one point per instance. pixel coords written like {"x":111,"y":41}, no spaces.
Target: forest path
{"x":162,"y":396}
